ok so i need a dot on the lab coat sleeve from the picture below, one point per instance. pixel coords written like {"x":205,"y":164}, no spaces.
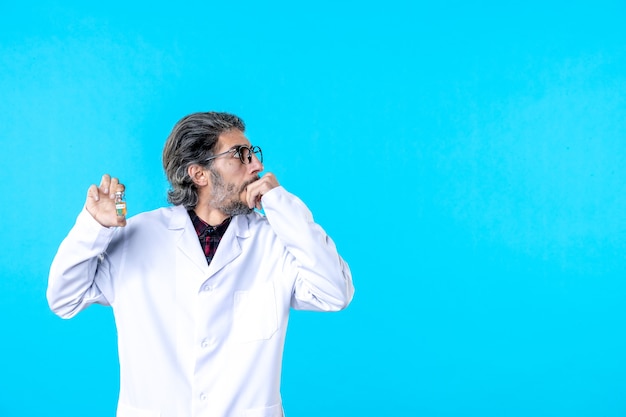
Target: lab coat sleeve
{"x":79,"y":263}
{"x":323,"y":281}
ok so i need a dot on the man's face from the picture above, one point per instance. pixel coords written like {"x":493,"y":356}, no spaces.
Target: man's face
{"x":229,"y":177}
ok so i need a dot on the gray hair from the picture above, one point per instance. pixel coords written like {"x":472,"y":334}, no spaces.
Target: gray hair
{"x":192,"y":141}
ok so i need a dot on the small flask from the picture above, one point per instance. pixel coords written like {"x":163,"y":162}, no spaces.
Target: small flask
{"x":120,"y":202}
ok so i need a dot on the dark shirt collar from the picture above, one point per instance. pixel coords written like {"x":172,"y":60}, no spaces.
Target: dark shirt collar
{"x":204,"y":229}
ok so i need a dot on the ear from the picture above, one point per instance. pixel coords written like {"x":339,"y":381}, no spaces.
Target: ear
{"x":198,"y":175}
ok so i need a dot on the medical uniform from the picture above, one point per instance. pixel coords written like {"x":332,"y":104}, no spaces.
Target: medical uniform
{"x":198,"y":339}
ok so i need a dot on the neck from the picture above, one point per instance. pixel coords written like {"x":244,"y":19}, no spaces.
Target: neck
{"x":209,"y":215}
{"x":206,"y":211}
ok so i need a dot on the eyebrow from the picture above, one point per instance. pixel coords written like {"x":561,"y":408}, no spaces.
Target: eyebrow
{"x":232,"y":148}
{"x":235,"y":147}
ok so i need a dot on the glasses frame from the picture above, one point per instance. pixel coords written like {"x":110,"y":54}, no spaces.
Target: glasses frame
{"x":236,"y":151}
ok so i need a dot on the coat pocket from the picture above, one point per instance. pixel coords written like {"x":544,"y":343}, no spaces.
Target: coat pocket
{"x":255,"y":313}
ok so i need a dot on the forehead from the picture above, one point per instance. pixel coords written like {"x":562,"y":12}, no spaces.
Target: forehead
{"x":231,"y":138}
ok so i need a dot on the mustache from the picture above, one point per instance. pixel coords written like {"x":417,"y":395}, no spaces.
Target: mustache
{"x":245,"y":184}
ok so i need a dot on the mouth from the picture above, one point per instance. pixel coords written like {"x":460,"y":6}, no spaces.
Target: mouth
{"x":244,"y":188}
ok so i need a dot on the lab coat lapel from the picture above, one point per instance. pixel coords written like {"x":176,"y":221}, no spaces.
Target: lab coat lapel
{"x":187,"y":239}
{"x":230,"y":245}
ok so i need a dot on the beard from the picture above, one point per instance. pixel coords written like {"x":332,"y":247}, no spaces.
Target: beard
{"x":226,"y":197}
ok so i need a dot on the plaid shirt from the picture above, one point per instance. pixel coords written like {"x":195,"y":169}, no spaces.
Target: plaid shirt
{"x":210,"y":236}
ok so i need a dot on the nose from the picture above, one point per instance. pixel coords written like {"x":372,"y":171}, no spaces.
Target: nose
{"x":255,"y":164}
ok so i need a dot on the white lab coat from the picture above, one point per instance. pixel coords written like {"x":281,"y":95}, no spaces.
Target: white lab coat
{"x":199,"y":340}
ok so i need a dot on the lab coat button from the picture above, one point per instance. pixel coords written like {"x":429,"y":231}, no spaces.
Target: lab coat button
{"x":207,"y":288}
{"x":203,"y":396}
{"x":207,"y":341}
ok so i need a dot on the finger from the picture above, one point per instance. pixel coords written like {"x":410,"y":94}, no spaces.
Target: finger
{"x":246,"y":194}
{"x":270,"y":181}
{"x":105,"y":184}
{"x":257,"y":189}
{"x":113,"y":187}
{"x":252,"y":195}
{"x":93,"y":193}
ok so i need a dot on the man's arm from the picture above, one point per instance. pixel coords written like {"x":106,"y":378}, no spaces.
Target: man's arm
{"x":324,"y":280}
{"x":80,"y":258}
{"x":71,"y":283}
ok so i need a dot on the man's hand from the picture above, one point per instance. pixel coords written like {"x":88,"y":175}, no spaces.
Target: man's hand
{"x":255,"y":191}
{"x":101,"y":202}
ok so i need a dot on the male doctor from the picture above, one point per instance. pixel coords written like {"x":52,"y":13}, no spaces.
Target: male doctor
{"x":201,"y":290}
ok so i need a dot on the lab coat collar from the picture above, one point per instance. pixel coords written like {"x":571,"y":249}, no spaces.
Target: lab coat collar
{"x":187,"y":240}
{"x":230,"y":245}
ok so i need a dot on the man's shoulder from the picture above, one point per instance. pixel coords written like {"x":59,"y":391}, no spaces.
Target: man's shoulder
{"x":256,"y":219}
{"x":162,"y":215}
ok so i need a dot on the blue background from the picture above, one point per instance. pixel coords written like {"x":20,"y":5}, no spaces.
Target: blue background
{"x":469,"y":160}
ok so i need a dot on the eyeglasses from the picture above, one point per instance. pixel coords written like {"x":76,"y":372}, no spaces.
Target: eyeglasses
{"x":243,"y":152}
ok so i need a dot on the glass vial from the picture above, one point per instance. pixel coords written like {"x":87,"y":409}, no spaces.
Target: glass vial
{"x":120,"y":203}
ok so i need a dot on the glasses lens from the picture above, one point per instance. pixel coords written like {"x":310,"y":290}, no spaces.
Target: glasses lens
{"x":245,"y":154}
{"x":258,"y":153}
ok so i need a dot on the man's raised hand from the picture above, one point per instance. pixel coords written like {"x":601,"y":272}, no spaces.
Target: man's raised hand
{"x":101,"y":202}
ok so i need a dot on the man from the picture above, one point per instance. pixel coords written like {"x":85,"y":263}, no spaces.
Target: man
{"x":201,"y":291}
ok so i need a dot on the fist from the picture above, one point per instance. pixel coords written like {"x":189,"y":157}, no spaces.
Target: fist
{"x":255,"y":190}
